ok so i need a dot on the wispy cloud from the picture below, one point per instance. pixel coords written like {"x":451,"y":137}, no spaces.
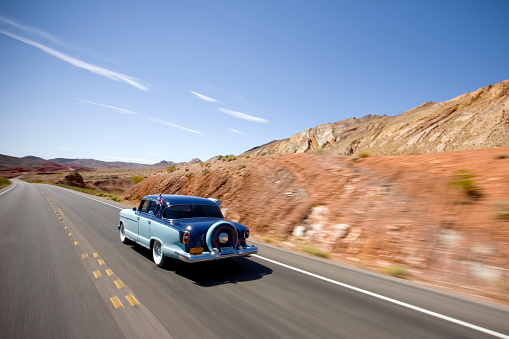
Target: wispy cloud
{"x":173,"y":125}
{"x":204,"y":98}
{"x":32,"y":30}
{"x":241,"y":115}
{"x":239,"y":132}
{"x":81,"y":64}
{"x":118,"y":109}
{"x":71,"y":149}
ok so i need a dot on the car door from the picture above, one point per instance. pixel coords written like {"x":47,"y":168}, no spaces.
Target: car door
{"x":146,"y":219}
{"x":131,"y":226}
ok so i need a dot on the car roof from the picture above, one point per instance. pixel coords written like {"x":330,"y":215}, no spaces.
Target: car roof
{"x":174,"y":199}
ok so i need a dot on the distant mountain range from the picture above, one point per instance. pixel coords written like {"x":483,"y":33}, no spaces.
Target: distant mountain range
{"x":470,"y":121}
{"x":36,"y":164}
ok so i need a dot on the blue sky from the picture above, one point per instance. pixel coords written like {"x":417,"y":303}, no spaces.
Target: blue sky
{"x":176,"y":80}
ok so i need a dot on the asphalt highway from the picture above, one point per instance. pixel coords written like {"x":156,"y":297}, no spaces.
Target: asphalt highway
{"x":65,"y":274}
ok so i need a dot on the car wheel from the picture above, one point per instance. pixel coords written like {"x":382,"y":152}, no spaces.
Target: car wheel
{"x":123,"y":238}
{"x":157,"y":253}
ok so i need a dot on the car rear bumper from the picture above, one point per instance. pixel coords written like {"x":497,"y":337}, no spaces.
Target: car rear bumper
{"x":215,"y":255}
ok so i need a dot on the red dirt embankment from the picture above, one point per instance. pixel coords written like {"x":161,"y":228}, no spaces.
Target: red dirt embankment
{"x":378,"y":211}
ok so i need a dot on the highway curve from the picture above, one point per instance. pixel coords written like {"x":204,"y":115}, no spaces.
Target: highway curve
{"x":65,"y":274}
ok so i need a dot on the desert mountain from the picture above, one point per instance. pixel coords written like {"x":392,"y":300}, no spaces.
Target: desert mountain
{"x":32,"y":164}
{"x":470,"y":121}
{"x":118,"y":164}
{"x":36,"y":164}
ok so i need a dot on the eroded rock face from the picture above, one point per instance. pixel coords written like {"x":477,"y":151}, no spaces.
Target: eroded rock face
{"x":72,"y":179}
{"x":469,"y":121}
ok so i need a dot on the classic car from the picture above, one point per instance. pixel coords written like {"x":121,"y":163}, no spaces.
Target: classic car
{"x":188,"y":228}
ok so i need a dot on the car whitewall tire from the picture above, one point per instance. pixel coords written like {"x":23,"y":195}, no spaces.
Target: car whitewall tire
{"x":157,"y":253}
{"x":123,"y":238}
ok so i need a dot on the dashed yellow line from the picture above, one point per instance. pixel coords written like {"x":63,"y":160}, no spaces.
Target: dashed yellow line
{"x":119,"y":284}
{"x":76,"y":243}
{"x":97,"y":274}
{"x":70,"y":234}
{"x":109,"y":272}
{"x":84,"y":256}
{"x":101,"y":262}
{"x":116,"y":302}
{"x":132,"y":300}
{"x":95,"y":255}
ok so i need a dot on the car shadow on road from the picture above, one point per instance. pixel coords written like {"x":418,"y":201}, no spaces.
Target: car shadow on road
{"x":213,"y":273}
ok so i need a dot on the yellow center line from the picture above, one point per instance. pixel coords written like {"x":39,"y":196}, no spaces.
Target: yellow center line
{"x":101,"y":262}
{"x":132,"y":300}
{"x":70,"y":234}
{"x":116,"y":302}
{"x":97,"y":274}
{"x":119,"y":284}
{"x":76,"y":243}
{"x":84,"y":256}
{"x":95,"y":255}
{"x":109,"y":272}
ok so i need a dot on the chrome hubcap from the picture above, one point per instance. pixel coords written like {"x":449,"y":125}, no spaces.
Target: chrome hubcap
{"x":223,"y":238}
{"x":157,"y":250}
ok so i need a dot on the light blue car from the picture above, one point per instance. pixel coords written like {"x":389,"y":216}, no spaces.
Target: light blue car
{"x":188,"y":228}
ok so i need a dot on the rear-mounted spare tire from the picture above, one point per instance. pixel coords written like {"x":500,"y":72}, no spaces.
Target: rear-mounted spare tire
{"x":222,"y":235}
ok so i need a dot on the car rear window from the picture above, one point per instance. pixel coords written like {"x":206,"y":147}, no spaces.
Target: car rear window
{"x":192,"y":211}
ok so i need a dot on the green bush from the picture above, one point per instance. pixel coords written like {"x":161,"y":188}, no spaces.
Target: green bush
{"x":397,"y":271}
{"x":463,"y":180}
{"x":136,"y":179}
{"x":228,"y":158}
{"x":363,"y":154}
{"x":315,"y":251}
{"x":502,"y":210}
{"x":4,"y":182}
{"x":171,"y":169}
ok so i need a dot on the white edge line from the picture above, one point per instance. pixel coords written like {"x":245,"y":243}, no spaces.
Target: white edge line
{"x":379,"y":296}
{"x":86,"y":196}
{"x":394,"y":301}
{"x":16,"y":184}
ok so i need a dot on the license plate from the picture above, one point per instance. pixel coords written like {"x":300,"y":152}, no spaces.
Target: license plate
{"x":196,"y":250}
{"x":227,"y":250}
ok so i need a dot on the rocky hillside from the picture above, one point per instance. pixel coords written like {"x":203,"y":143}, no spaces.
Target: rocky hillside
{"x":469,"y":121}
{"x":441,"y":217}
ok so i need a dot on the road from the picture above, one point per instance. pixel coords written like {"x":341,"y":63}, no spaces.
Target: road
{"x":65,"y":274}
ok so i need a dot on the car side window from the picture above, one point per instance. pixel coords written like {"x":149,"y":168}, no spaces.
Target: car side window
{"x":153,"y":208}
{"x":143,"y":206}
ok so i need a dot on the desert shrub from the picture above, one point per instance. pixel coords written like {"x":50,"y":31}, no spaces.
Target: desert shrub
{"x":502,"y":210}
{"x":320,"y":151}
{"x":248,"y":156}
{"x":228,"y":158}
{"x":136,"y":179}
{"x":171,"y":169}
{"x":463,"y":180}
{"x":241,"y":166}
{"x":205,"y":164}
{"x":315,"y":251}
{"x":206,"y":170}
{"x":363,"y":154}
{"x":397,"y":271}
{"x":501,"y":156}
{"x":4,"y":182}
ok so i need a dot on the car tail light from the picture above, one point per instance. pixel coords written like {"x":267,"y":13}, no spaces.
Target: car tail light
{"x":185,"y":238}
{"x":246,"y":234}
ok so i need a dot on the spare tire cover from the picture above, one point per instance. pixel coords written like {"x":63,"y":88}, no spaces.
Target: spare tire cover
{"x":212,"y":237}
